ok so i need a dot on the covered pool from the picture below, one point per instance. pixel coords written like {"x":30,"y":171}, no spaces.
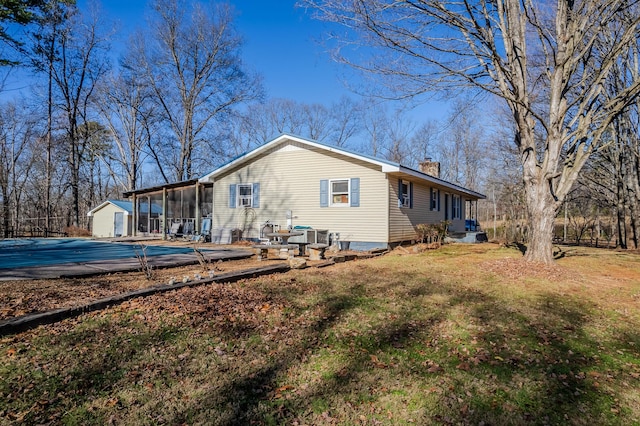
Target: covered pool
{"x":19,"y":253}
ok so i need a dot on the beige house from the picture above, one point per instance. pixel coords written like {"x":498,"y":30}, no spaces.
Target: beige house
{"x":368,"y":202}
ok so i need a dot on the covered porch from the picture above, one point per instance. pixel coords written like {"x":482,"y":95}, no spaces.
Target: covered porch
{"x":185,"y":203}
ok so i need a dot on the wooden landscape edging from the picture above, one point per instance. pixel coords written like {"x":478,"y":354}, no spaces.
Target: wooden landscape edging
{"x":29,"y":321}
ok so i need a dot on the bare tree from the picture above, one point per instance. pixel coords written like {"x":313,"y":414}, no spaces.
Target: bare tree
{"x":80,"y":63}
{"x":612,"y":176}
{"x":260,"y":122}
{"x":97,"y":141}
{"x":346,"y":120}
{"x":125,"y":104}
{"x":399,"y":131}
{"x":423,"y":143}
{"x":463,"y":146}
{"x":633,"y":179}
{"x":503,"y":170}
{"x":284,"y":116}
{"x":547,"y":60}
{"x":375,"y":125}
{"x":317,"y":119}
{"x":43,"y":55}
{"x":18,"y":131}
{"x":191,"y":59}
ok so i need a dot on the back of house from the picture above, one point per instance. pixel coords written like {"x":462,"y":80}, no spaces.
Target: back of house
{"x":294,"y":182}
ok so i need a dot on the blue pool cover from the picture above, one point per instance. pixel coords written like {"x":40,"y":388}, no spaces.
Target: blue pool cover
{"x":19,"y":253}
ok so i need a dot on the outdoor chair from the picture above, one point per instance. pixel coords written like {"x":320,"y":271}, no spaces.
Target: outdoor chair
{"x":205,"y":231}
{"x":187,"y":229}
{"x":175,"y":231}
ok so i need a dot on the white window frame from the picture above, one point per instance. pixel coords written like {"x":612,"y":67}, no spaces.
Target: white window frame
{"x":348,"y":193}
{"x":456,"y":204}
{"x":406,"y":196}
{"x":248,"y":199}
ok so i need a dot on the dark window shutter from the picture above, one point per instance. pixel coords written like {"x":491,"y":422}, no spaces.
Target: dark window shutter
{"x":438,"y":199}
{"x":410,"y":195}
{"x":256,"y":196}
{"x":431,"y":206}
{"x":354,"y":197}
{"x":232,"y":196}
{"x":324,"y":193}
{"x":399,"y":193}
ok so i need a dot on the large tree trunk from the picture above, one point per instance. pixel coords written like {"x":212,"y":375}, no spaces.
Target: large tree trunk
{"x":541,"y":215}
{"x":74,"y":163}
{"x":633,"y":192}
{"x":620,"y":212}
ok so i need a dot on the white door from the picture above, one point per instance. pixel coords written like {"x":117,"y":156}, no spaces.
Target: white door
{"x":118,"y":224}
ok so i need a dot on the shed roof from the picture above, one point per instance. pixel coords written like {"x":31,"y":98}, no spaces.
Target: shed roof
{"x":158,"y":188}
{"x":127,"y":206}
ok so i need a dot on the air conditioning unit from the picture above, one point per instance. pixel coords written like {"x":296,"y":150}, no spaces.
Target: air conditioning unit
{"x":311,"y":236}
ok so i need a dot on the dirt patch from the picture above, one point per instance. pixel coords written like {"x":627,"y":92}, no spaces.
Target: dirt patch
{"x":415,"y":248}
{"x":517,"y":268}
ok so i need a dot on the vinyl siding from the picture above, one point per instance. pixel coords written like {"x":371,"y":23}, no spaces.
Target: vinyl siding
{"x":289,"y":177}
{"x":103,"y":221}
{"x":457,"y":225}
{"x":402,"y":220}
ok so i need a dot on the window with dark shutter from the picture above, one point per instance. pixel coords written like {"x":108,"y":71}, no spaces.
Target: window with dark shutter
{"x":340,"y":192}
{"x":404,"y":194}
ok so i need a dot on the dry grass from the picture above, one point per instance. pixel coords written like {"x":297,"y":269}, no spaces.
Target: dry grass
{"x":459,"y":335}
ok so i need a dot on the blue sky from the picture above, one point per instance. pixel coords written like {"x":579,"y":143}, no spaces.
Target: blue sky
{"x":281,"y":43}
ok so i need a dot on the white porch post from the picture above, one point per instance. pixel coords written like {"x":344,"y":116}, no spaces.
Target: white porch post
{"x":164,"y":213}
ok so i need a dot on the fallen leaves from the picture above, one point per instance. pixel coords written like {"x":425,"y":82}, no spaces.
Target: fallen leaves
{"x":21,"y":297}
{"x":463,"y":366}
{"x":376,"y":362}
{"x":347,"y":345}
{"x":278,"y":393}
{"x":518,"y":268}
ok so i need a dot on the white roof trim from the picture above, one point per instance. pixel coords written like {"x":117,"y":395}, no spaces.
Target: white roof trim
{"x":280,"y":139}
{"x":95,"y":209}
{"x":440,"y":182}
{"x":386,"y":166}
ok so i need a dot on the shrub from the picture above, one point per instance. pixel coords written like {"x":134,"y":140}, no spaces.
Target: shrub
{"x":429,"y":233}
{"x":75,"y":231}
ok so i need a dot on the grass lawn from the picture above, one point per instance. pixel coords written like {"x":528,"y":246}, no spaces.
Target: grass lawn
{"x":467,"y":334}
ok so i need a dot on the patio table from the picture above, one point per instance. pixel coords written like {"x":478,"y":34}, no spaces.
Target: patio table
{"x":284,"y":235}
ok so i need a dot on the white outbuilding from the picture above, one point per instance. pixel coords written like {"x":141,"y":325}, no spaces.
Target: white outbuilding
{"x":114,"y":218}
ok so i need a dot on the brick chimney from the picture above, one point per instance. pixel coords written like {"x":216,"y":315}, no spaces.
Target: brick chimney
{"x":429,"y":167}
